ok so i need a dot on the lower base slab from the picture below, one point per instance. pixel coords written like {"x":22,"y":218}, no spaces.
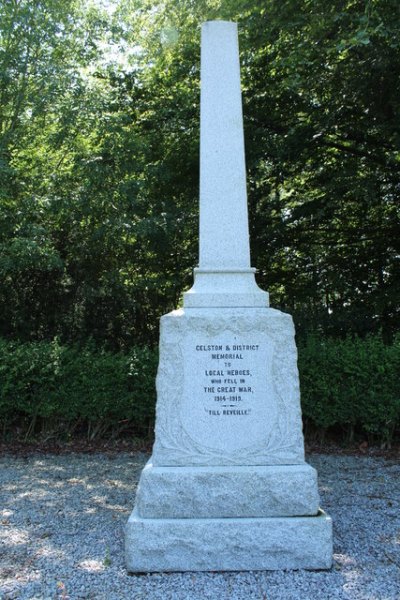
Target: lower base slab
{"x":246,"y":544}
{"x":227,"y":492}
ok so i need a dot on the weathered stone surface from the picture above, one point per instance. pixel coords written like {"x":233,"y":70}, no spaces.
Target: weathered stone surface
{"x":225,"y":277}
{"x":196,"y":426}
{"x":223,"y":288}
{"x":228,"y":544}
{"x":228,"y":488}
{"x":225,"y":244}
{"x":218,"y":492}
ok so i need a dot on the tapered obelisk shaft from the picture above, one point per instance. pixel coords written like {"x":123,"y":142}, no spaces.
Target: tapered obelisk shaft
{"x":224,"y":231}
{"x":224,"y":277}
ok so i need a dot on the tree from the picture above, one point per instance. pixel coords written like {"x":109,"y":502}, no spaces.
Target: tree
{"x":99,"y":162}
{"x":323,"y":152}
{"x":44,"y":48}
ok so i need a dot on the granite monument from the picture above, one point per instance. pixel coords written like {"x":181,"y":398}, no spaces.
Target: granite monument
{"x":227,"y":486}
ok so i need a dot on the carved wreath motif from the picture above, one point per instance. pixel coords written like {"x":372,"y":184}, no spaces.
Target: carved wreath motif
{"x":283,"y":444}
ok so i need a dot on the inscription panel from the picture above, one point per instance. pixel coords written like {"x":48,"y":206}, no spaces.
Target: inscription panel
{"x":228,"y":399}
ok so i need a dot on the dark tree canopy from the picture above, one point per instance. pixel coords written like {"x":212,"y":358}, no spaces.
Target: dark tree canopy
{"x":99,"y":130}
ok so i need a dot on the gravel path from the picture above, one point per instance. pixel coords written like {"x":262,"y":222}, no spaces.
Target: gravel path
{"x":62,"y":522}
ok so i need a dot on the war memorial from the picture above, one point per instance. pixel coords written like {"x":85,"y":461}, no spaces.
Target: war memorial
{"x":227,"y":487}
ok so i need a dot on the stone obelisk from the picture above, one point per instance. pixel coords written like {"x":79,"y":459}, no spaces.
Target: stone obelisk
{"x":224,"y":277}
{"x":227,"y":486}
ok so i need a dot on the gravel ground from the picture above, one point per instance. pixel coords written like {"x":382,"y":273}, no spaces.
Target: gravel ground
{"x":62,"y":524}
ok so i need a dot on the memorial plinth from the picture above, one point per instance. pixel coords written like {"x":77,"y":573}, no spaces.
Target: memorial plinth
{"x":227,"y":486}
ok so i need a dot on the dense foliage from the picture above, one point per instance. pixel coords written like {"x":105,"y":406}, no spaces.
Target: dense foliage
{"x":350,"y":386}
{"x":55,"y":390}
{"x":99,"y":131}
{"x":99,"y":150}
{"x":351,"y":389}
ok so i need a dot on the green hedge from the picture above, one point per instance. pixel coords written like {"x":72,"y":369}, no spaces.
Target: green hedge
{"x":351,"y":385}
{"x":44,"y":385}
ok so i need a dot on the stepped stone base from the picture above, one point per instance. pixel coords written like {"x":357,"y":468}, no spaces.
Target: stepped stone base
{"x":227,"y":492}
{"x":154,"y":545}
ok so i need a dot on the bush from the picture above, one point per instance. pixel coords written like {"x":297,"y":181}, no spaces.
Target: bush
{"x":48,"y":386}
{"x":351,"y":383}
